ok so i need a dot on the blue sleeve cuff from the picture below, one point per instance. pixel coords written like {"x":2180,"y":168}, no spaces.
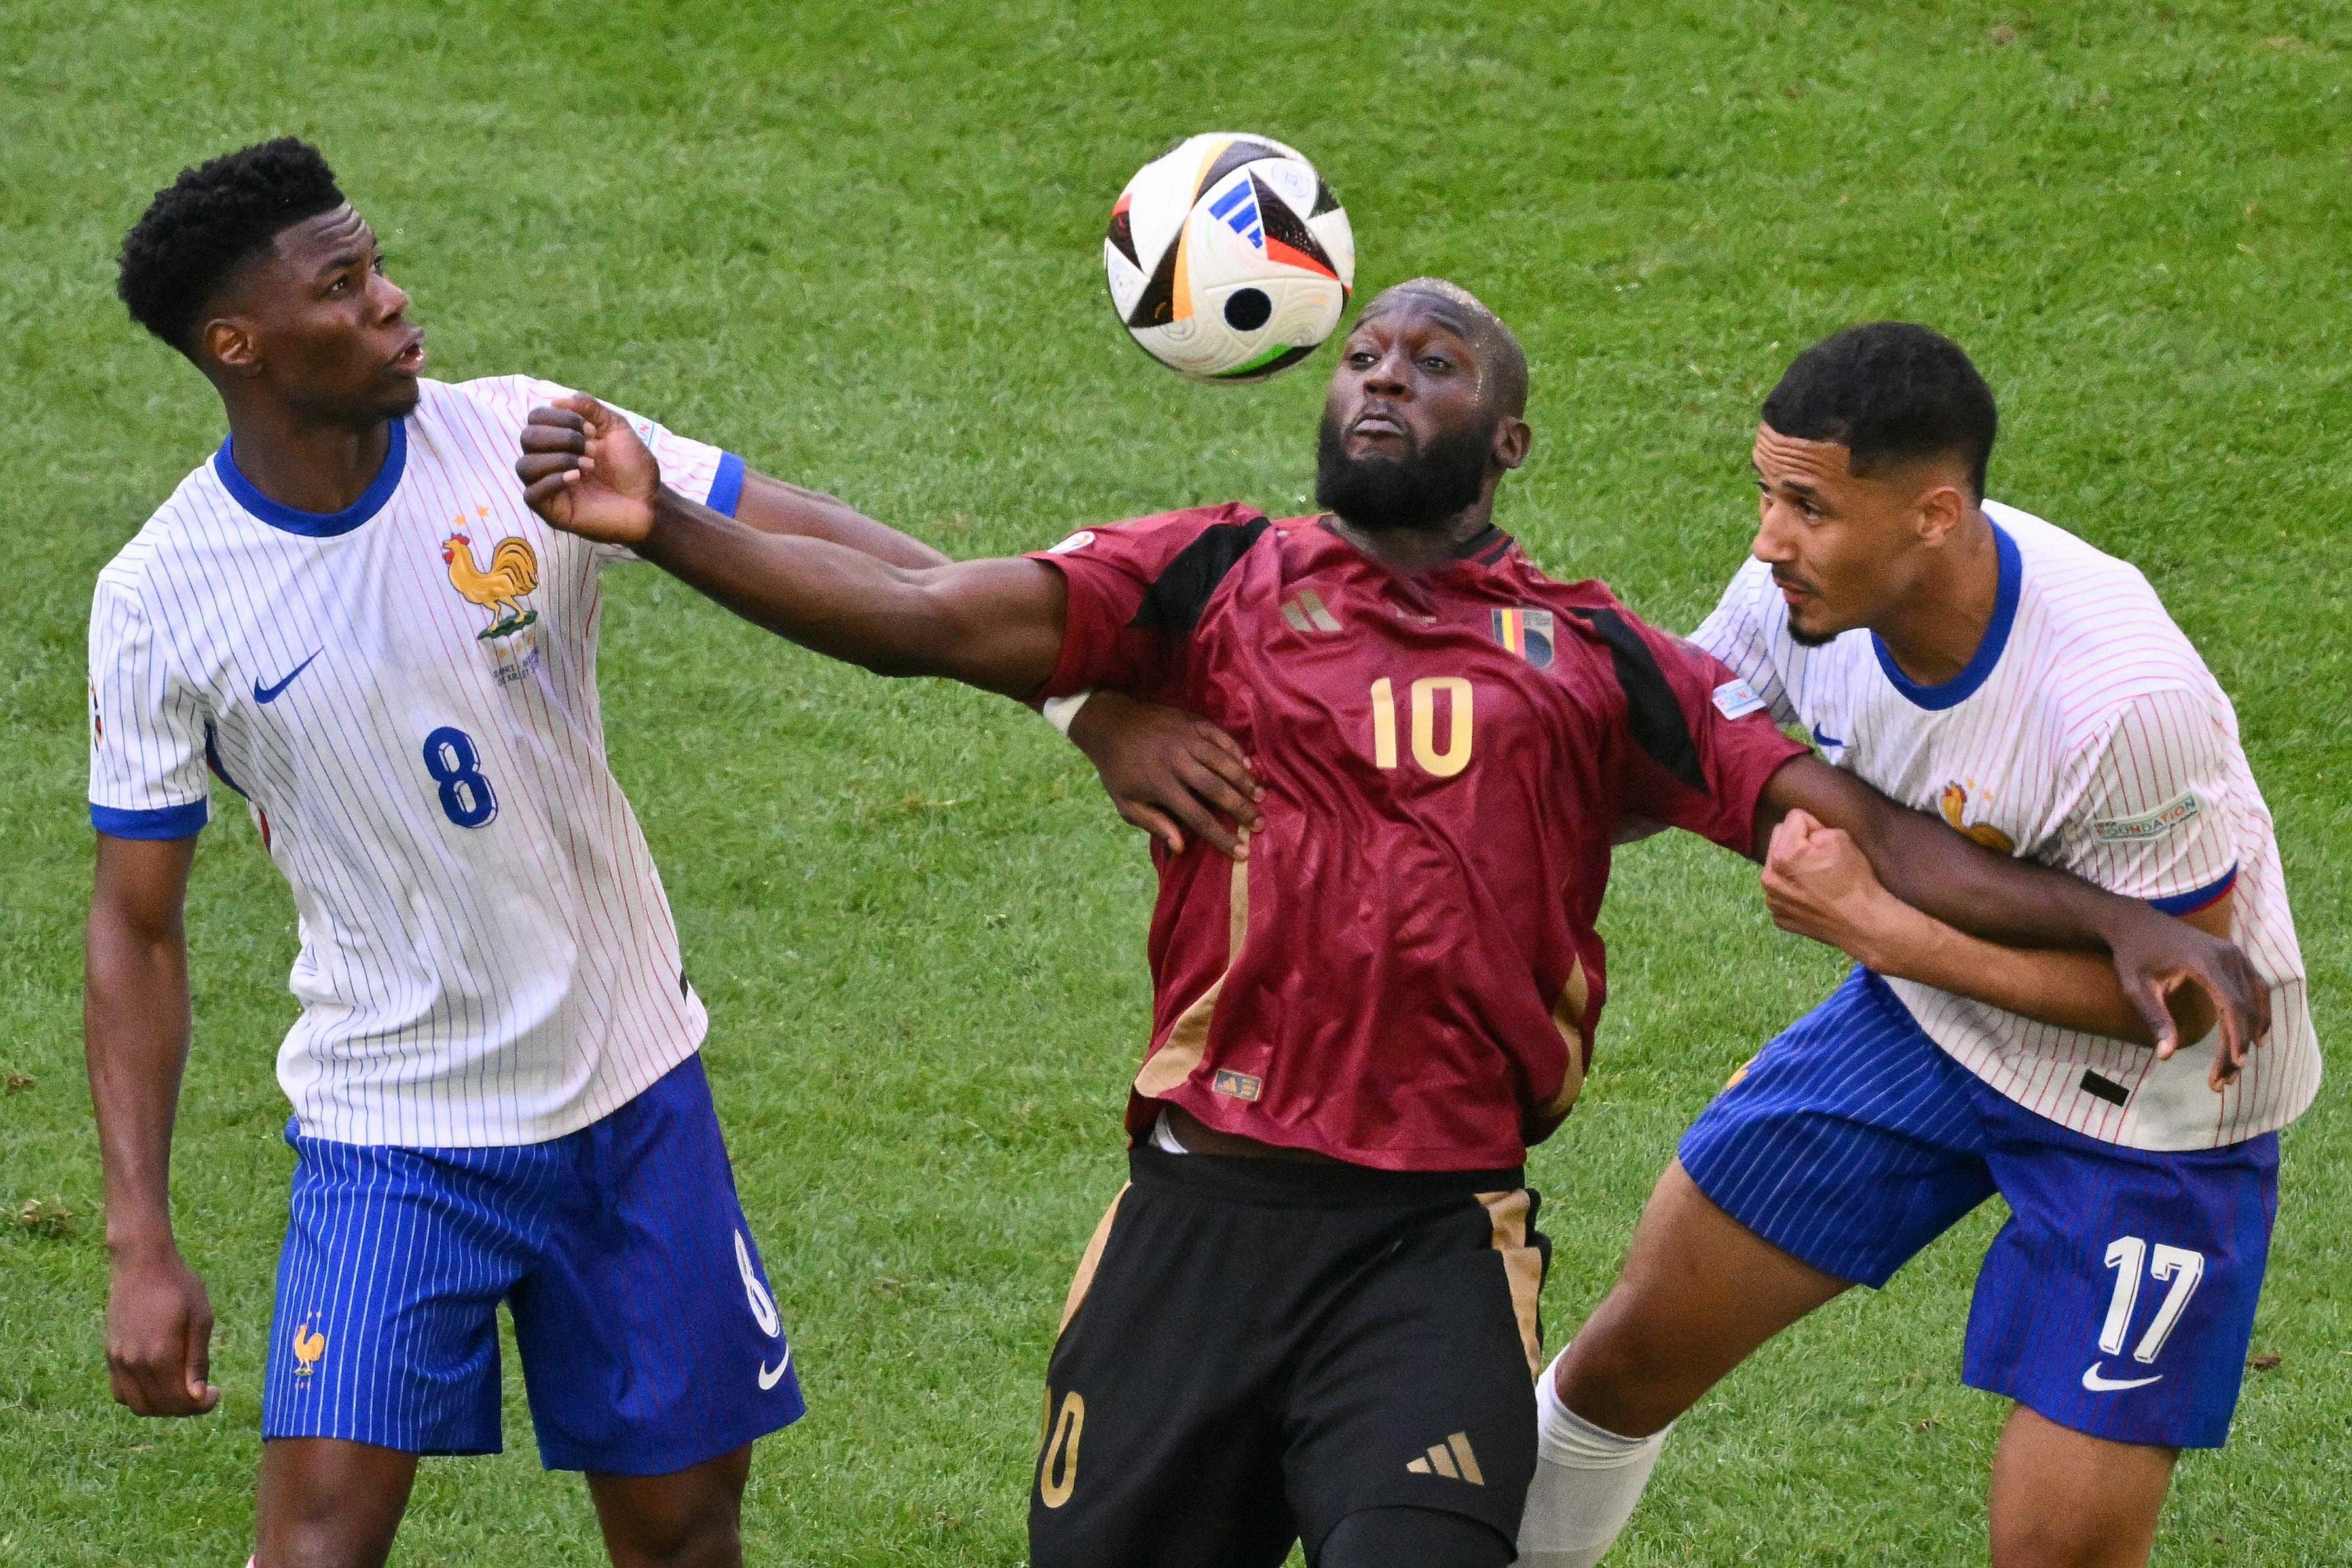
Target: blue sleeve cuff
{"x":727,"y":484}
{"x":2195,"y":898}
{"x":163,"y":822}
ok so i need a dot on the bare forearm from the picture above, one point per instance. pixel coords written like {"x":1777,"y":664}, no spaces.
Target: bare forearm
{"x":135,"y":1031}
{"x":774,"y":506}
{"x":1993,"y":896}
{"x":2070,"y":990}
{"x":995,"y":625}
{"x":1933,"y":868}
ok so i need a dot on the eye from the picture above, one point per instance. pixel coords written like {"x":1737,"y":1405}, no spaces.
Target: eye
{"x":1436,"y":363}
{"x":1360,"y":358}
{"x":377,"y":266}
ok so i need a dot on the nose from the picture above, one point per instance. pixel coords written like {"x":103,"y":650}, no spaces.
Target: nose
{"x":1774,"y":545}
{"x":1387,"y":378}
{"x":392,"y":299}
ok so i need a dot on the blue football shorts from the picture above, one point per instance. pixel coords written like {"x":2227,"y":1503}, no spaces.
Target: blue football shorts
{"x":2119,"y":1298}
{"x":649,"y":1339}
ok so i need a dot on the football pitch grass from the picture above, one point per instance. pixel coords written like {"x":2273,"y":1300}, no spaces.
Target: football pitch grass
{"x":860,"y":245}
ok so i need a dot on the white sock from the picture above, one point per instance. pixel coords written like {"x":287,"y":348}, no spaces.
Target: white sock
{"x":1587,"y":1482}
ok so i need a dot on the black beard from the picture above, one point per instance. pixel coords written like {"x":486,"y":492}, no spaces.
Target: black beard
{"x":1419,"y":488}
{"x":1810,"y":639}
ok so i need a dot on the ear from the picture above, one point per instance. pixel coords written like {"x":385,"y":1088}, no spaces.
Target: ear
{"x":1512,"y":440}
{"x":1942,"y":508}
{"x":232,"y":344}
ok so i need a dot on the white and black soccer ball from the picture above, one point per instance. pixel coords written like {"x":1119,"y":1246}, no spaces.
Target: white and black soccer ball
{"x":1229,"y":258}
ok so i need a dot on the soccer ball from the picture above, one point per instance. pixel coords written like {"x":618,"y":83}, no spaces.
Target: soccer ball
{"x":1229,"y":258}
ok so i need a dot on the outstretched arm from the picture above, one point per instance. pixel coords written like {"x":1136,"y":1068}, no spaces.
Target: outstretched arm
{"x":135,"y":1029}
{"x":769,"y":505}
{"x":996,"y":625}
{"x":2015,"y":903}
{"x":775,"y":506}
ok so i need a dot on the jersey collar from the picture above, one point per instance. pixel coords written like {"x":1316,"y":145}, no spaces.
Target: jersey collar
{"x":1961,"y":686}
{"x":1484,"y":548}
{"x":317,"y":525}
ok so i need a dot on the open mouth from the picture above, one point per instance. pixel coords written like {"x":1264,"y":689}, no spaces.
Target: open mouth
{"x":410,"y":359}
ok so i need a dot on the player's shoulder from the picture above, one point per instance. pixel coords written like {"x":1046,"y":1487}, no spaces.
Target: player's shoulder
{"x":1602,"y":630}
{"x":2104,"y":643}
{"x":2082,"y":592}
{"x":195,"y":509}
{"x":1585,"y":598}
{"x":1232,"y":526}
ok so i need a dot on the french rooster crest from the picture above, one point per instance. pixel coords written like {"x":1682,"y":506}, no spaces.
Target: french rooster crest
{"x":513,"y":573}
{"x":309,"y":1345}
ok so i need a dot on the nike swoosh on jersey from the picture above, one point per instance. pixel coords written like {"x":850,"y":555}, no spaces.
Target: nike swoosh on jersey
{"x":2096,"y":1384}
{"x":770,"y":1379}
{"x":268,"y":694}
{"x":1824,"y":739}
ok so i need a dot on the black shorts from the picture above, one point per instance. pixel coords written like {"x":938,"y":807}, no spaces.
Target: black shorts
{"x":1255,"y":1349}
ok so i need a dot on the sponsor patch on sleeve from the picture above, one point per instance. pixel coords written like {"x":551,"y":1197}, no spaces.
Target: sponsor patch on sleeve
{"x":2148,"y":824}
{"x":1736,"y":698}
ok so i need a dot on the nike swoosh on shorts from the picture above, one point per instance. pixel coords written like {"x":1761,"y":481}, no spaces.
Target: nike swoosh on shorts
{"x":2096,"y":1384}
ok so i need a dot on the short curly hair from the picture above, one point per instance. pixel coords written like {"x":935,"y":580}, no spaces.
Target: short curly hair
{"x":214,"y":217}
{"x":1889,"y":392}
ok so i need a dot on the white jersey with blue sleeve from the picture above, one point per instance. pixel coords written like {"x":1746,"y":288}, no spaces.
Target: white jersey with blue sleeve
{"x":405,"y":693}
{"x":2085,"y":733}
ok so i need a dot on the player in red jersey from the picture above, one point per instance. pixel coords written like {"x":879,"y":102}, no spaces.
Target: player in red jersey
{"x":1312,"y":1313}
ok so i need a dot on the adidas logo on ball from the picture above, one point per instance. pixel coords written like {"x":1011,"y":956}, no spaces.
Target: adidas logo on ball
{"x":1228,"y":258}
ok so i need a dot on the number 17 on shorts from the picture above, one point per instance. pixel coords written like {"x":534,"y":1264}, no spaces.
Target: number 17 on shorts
{"x":2123,"y":1308}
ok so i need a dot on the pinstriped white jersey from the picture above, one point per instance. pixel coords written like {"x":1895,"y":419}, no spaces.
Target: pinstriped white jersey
{"x":2085,"y":733}
{"x":405,"y":694}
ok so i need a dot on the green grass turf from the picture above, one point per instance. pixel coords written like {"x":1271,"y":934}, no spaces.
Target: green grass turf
{"x":859,"y":244}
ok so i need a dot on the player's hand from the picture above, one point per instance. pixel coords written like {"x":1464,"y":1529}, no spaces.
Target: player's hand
{"x":585,"y":471}
{"x":1818,"y":883}
{"x":159,"y":1335}
{"x":1168,"y":771}
{"x":2155,"y":955}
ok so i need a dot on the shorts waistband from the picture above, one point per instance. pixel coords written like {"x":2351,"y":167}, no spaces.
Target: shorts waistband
{"x":1287,"y":1184}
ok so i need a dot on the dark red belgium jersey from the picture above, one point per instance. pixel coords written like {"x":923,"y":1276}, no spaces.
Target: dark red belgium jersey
{"x":1404,"y":974}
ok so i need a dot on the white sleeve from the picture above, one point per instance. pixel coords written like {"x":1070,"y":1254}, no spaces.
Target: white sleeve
{"x":2148,"y":821}
{"x":694,"y":469}
{"x":1740,"y":634}
{"x":146,"y":728}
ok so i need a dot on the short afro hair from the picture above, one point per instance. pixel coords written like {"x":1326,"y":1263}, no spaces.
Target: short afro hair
{"x":214,"y":217}
{"x":1888,"y":392}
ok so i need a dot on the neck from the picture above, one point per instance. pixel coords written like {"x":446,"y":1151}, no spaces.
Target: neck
{"x":1942,"y":620}
{"x":307,"y":465}
{"x":1416,"y":550}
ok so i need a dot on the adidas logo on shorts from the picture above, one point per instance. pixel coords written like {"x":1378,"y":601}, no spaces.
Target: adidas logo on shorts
{"x":1452,"y":1459}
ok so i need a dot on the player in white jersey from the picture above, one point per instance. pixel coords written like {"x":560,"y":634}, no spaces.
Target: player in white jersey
{"x":1967,"y":657}
{"x":349,"y":616}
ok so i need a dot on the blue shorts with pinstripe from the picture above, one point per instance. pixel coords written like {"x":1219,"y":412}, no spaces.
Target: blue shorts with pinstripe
{"x":648,"y":1338}
{"x":2118,"y":1300}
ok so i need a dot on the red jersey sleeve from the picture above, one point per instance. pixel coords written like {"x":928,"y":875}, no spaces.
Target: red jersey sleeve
{"x":1700,"y":743}
{"x":1136,"y":590}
